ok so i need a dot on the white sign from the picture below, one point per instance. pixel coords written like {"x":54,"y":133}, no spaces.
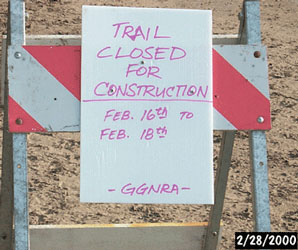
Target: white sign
{"x":146,"y":106}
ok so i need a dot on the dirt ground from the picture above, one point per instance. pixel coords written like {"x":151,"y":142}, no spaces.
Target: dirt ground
{"x":53,"y":159}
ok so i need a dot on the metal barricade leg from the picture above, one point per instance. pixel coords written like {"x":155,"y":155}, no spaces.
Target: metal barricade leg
{"x":260,"y":191}
{"x":20,"y":182}
{"x":17,"y":37}
{"x":258,"y":149}
{"x":224,"y":162}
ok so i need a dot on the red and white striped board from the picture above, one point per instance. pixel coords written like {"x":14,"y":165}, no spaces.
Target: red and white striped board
{"x":44,"y":88}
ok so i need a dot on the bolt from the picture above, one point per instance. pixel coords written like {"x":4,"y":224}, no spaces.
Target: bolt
{"x":19,"y":121}
{"x":19,"y":166}
{"x":17,"y":55}
{"x":214,"y":234}
{"x":260,"y":119}
{"x":261,"y":164}
{"x":257,"y":54}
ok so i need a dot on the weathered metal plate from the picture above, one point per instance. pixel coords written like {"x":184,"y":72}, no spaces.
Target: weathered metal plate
{"x":170,"y":236}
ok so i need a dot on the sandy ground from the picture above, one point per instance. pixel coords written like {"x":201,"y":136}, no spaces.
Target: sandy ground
{"x":53,"y":159}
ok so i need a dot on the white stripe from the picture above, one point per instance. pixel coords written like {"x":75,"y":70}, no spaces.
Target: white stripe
{"x":221,"y":123}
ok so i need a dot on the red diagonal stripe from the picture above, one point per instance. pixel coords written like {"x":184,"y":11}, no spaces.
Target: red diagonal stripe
{"x":236,"y":98}
{"x":28,"y":123}
{"x":63,"y":62}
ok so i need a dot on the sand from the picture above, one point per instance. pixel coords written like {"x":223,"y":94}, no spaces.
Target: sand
{"x":53,"y":159}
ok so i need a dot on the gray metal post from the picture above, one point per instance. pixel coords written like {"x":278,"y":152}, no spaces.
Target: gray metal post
{"x":17,"y":37}
{"x":20,"y":191}
{"x":258,"y":153}
{"x":260,"y":191}
{"x":224,"y":162}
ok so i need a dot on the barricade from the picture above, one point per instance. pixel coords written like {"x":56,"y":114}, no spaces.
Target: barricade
{"x":241,"y":102}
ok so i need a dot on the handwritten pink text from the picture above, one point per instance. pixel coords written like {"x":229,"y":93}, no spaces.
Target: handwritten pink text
{"x":125,"y":29}
{"x":112,"y":134}
{"x":144,"y":90}
{"x":146,"y":189}
{"x":150,"y":133}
